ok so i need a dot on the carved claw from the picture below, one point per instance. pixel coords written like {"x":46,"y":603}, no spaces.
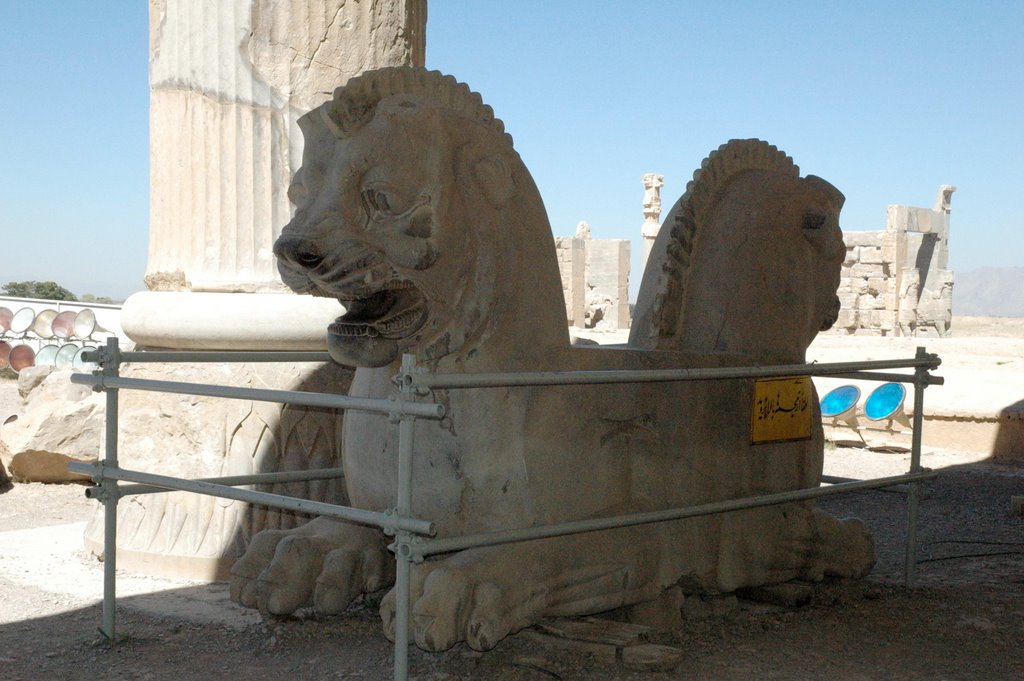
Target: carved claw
{"x":448,"y":607}
{"x":287,"y":583}
{"x":246,"y":570}
{"x":325,"y":564}
{"x":441,"y":613}
{"x":347,"y":573}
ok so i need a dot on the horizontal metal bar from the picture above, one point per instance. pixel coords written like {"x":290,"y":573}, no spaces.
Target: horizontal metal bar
{"x":224,"y":356}
{"x":834,"y":479}
{"x":385,"y":521}
{"x":887,"y":377}
{"x":424,"y":410}
{"x":435,"y":546}
{"x":495,"y":380}
{"x":233,"y":480}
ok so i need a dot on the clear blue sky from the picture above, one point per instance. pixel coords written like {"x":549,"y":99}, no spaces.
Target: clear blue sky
{"x":886,"y":100}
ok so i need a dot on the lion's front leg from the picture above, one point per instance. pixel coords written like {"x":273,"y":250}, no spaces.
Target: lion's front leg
{"x":480,"y":596}
{"x":325,"y":564}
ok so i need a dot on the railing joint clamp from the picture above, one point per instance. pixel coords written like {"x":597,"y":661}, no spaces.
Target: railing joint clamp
{"x":407,"y":547}
{"x":106,"y":489}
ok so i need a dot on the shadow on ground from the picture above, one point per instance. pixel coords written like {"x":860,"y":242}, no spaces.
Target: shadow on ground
{"x":962,"y":620}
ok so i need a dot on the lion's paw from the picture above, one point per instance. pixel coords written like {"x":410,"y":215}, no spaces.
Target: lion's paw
{"x":325,"y":564}
{"x":845,"y":548}
{"x":449,"y":606}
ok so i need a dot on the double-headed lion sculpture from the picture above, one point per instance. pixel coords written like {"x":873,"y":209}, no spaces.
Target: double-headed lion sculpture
{"x":415,"y":211}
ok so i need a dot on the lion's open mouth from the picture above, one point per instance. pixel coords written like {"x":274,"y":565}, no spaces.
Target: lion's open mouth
{"x":395,"y":312}
{"x":379,"y":303}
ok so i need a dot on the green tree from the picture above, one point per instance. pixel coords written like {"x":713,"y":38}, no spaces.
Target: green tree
{"x":90,"y":298}
{"x":46,"y":290}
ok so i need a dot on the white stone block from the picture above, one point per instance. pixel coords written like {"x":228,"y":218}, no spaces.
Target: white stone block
{"x":865,"y":271}
{"x":847,"y":299}
{"x":871,"y":255}
{"x":877,"y":285}
{"x":847,"y":318}
{"x":862,"y":239}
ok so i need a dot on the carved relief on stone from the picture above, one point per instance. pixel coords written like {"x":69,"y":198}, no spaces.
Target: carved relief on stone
{"x":446,"y":252}
{"x":195,"y":536}
{"x":910,"y":293}
{"x":936,"y":304}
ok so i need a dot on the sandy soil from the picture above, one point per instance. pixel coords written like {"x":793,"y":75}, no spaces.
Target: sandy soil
{"x":964,"y":619}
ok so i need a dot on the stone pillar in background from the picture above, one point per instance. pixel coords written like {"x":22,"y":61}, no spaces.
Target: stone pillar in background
{"x":652,"y":211}
{"x":607,"y":284}
{"x":229,"y":80}
{"x":572,"y":265}
{"x":922,"y":244}
{"x":595,"y":279}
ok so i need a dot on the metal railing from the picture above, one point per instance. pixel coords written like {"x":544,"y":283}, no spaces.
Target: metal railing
{"x":413,"y":536}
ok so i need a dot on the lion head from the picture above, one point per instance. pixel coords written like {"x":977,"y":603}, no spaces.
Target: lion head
{"x":749,"y":260}
{"x":416,"y":213}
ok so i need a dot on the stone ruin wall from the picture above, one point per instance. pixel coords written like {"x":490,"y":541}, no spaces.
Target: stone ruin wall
{"x":572,"y":264}
{"x":867,"y":287}
{"x":896,"y":282}
{"x":595,"y":280}
{"x":595,"y":272}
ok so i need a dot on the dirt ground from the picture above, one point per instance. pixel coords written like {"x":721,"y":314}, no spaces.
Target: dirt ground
{"x":964,"y":618}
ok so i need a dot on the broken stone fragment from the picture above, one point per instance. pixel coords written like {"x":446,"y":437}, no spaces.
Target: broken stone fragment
{"x":48,"y":467}
{"x":61,"y":422}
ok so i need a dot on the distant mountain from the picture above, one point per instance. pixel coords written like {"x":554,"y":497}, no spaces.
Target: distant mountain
{"x":989,"y":292}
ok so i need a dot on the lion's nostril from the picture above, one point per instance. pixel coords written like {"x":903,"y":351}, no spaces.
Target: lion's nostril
{"x":308,"y":258}
{"x":299,"y":252}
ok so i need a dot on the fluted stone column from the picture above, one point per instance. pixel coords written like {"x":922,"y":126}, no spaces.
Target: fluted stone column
{"x":229,"y":80}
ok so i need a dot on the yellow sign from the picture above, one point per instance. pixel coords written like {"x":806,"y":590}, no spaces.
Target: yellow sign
{"x":781,"y":410}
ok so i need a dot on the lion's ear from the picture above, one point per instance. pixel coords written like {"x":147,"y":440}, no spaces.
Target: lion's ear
{"x":494,"y":174}
{"x":833,"y":195}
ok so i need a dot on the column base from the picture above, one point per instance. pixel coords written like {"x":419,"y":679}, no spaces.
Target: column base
{"x":185,"y":320}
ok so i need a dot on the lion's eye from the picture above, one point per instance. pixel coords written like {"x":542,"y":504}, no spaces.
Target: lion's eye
{"x":813,"y":221}
{"x":376,"y":201}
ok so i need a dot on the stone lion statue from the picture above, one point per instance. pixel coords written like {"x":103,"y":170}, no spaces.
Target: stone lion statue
{"x":415,"y":211}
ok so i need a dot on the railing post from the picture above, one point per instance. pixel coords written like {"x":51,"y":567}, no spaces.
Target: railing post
{"x":913,"y":495}
{"x":403,"y":538}
{"x":109,"y":493}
